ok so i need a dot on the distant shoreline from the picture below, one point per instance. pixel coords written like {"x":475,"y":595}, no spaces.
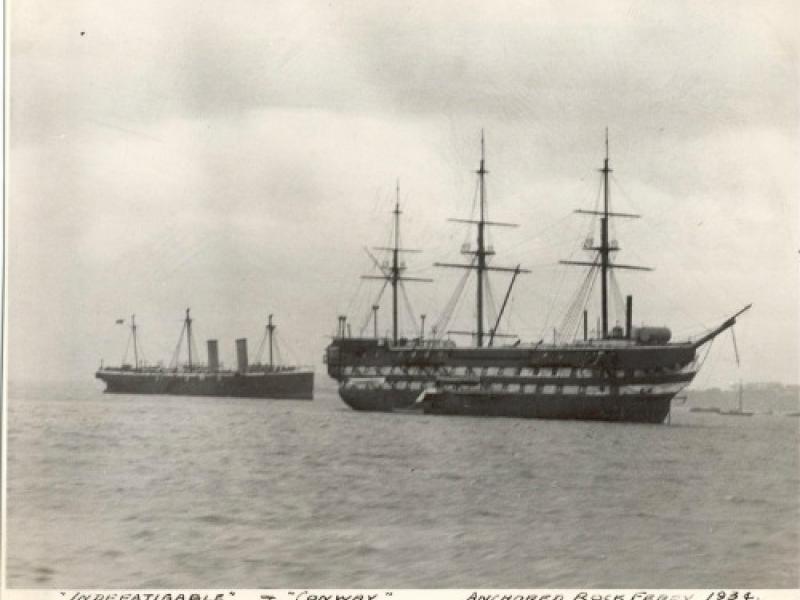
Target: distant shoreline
{"x":769,"y":396}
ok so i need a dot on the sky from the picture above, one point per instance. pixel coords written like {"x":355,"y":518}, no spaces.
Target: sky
{"x":237,"y":158}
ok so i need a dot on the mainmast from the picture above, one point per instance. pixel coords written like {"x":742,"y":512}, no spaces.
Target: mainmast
{"x":270,"y":329}
{"x":479,"y":262}
{"x":481,"y":253}
{"x":393,"y":274}
{"x":606,"y":246}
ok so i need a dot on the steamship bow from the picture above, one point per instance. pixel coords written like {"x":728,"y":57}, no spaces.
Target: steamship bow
{"x":248,"y":380}
{"x":628,"y":374}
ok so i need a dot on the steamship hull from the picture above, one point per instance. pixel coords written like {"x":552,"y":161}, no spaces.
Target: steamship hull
{"x":284,"y":385}
{"x":609,"y":382}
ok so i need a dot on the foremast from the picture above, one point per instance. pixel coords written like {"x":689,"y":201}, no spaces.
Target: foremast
{"x":479,"y":263}
{"x":606,"y":246}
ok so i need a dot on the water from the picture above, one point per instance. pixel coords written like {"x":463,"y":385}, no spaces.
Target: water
{"x":125,"y":491}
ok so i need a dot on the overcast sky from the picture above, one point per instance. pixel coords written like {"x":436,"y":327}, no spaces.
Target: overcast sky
{"x":236,"y":157}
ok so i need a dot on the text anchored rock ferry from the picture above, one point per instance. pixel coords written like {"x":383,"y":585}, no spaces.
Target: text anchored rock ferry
{"x":621,"y":374}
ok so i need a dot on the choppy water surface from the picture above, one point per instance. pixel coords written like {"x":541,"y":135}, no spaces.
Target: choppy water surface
{"x":147,"y":491}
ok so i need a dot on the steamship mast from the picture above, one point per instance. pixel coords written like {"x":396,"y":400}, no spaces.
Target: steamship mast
{"x":135,"y":343}
{"x":188,"y":322}
{"x":270,"y":330}
{"x":187,"y":331}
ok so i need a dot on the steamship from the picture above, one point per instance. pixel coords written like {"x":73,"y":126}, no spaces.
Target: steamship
{"x":625,"y":374}
{"x":248,"y":380}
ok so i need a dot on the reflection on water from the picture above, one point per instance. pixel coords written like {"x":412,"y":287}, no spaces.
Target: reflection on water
{"x":147,"y":491}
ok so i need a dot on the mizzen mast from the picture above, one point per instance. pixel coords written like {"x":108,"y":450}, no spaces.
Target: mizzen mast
{"x":135,"y":345}
{"x":394,"y":274}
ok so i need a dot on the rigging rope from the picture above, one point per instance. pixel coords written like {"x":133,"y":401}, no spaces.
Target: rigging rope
{"x":127,"y":345}
{"x":278,"y":358}
{"x":447,"y":312}
{"x":735,"y":347}
{"x":354,"y":297}
{"x":363,"y":329}
{"x":619,"y":303}
{"x":490,"y":303}
{"x":142,"y":357}
{"x":593,"y":221}
{"x":194,"y":351}
{"x":173,"y":364}
{"x":551,"y":227}
{"x":468,"y":230}
{"x":577,"y":304}
{"x":554,"y":297}
{"x":705,"y":356}
{"x":280,"y":345}
{"x":261,"y":345}
{"x":409,"y":309}
{"x":572,"y":316}
{"x":586,"y":301}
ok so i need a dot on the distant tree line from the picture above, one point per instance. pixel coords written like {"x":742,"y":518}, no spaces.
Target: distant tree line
{"x":769,"y":393}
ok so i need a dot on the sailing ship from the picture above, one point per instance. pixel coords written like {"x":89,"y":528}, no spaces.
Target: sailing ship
{"x":737,"y":412}
{"x":629,"y":374}
{"x":247,"y":380}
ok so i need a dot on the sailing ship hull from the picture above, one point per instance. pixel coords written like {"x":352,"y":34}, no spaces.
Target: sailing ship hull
{"x":621,"y":375}
{"x":644,"y":408}
{"x":641,"y":408}
{"x":379,"y":399}
{"x":626,"y":382}
{"x":286,"y":385}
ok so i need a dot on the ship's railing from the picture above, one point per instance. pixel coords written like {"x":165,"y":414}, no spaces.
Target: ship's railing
{"x":265,"y":368}
{"x":203,"y":369}
{"x":131,"y":369}
{"x":414,"y":343}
